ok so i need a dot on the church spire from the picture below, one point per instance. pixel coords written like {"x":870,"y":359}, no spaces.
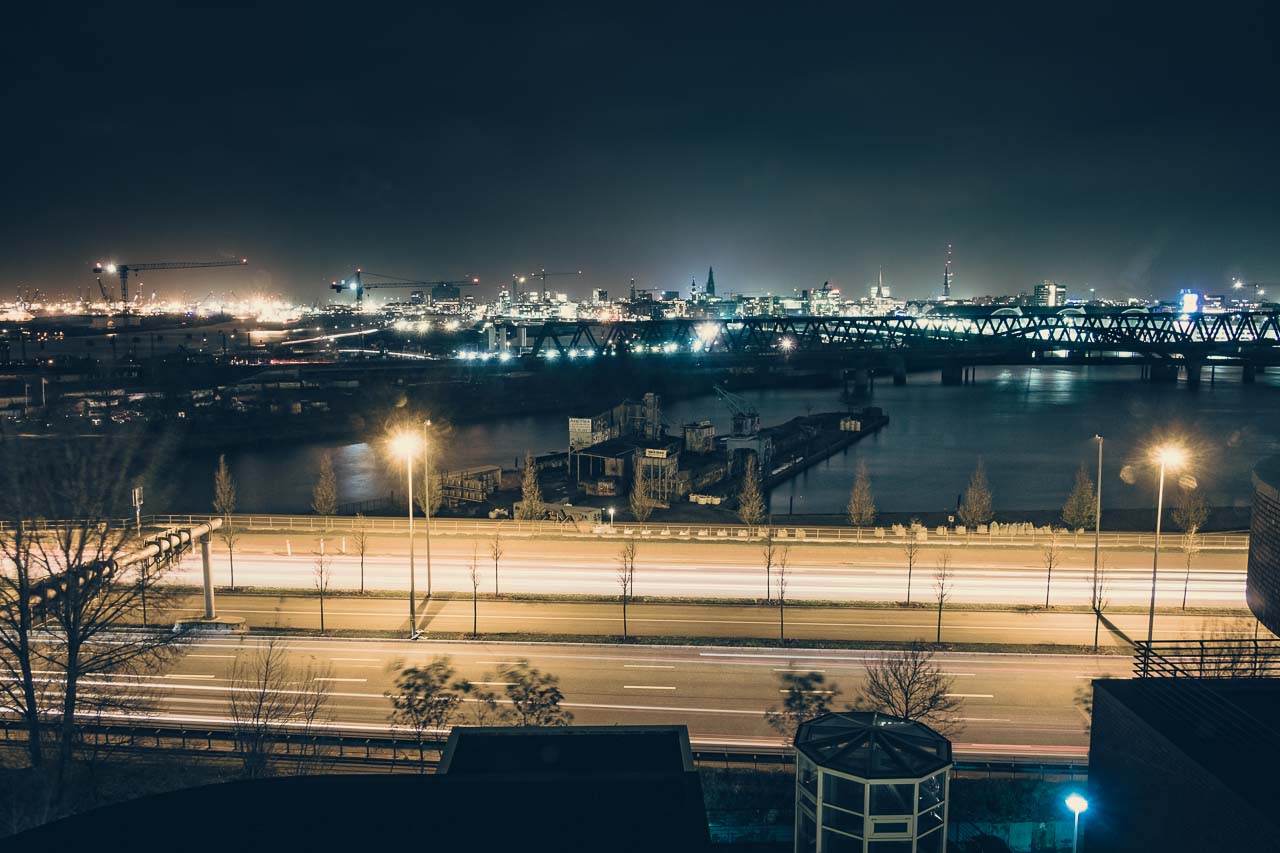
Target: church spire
{"x":711,"y":282}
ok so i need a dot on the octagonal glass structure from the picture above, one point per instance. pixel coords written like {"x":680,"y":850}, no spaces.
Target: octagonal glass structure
{"x":870,"y":783}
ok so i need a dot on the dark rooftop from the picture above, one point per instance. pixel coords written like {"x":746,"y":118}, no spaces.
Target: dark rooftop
{"x":873,"y":746}
{"x":572,"y":749}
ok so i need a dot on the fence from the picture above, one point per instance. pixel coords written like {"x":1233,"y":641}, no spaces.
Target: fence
{"x":947,"y":537}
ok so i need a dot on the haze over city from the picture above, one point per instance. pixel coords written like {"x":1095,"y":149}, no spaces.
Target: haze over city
{"x":1115,"y":148}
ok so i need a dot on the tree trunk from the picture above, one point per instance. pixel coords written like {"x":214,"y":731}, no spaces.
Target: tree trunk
{"x":624,"y":617}
{"x":782,"y":622}
{"x":231,"y":557}
{"x":1047,"y":581}
{"x":475,"y":612}
{"x":322,"y":611}
{"x":1186,"y":581}
{"x":909,"y":568}
{"x":939,"y":622}
{"x":362,"y":571}
{"x":495,"y":579}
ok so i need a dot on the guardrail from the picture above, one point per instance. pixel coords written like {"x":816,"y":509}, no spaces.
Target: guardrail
{"x":391,"y":752}
{"x":948,"y":537}
{"x":939,"y":536}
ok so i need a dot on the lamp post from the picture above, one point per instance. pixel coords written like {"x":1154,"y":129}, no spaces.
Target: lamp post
{"x":1077,"y":804}
{"x":406,"y":445}
{"x":611,"y":519}
{"x":1097,"y":522}
{"x":426,"y":496}
{"x":1167,"y":456}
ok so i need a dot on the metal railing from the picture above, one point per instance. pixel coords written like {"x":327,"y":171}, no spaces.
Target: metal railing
{"x":1208,"y":658}
{"x":948,"y":537}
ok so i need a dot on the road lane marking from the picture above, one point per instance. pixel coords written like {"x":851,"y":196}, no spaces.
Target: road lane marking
{"x":647,"y":666}
{"x":818,"y":692}
{"x":970,"y":696}
{"x":798,"y":669}
{"x":984,"y":720}
{"x":227,"y":657}
{"x":185,"y":675}
{"x":644,"y":687}
{"x":498,"y":662}
{"x":350,"y":680}
{"x":494,"y":683}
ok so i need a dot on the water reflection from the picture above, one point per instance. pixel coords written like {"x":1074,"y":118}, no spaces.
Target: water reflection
{"x":1033,"y":426}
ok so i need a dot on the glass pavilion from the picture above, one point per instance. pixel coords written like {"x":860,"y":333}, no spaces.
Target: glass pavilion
{"x":870,"y":783}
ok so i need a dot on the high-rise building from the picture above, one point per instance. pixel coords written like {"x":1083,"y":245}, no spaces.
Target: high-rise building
{"x":1049,"y":294}
{"x":946,"y":275}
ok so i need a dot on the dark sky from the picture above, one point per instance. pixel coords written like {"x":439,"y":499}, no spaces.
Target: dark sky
{"x":1133,"y":151}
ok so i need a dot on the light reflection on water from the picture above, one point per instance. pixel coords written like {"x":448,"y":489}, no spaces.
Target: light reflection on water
{"x":1033,"y":426}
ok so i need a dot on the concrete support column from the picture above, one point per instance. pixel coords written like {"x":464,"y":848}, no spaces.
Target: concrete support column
{"x":208,"y":577}
{"x":1162,"y":371}
{"x":1193,"y":373}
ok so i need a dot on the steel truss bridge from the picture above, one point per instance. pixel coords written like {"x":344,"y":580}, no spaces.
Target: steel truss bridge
{"x":1243,"y":336}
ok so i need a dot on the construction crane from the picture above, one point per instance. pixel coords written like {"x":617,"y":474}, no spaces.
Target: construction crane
{"x":544,"y":275}
{"x":123,"y":270}
{"x":357,"y":284}
{"x":746,"y":419}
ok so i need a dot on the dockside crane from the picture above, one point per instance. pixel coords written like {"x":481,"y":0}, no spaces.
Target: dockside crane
{"x":356,"y":283}
{"x":746,"y":419}
{"x":123,"y":270}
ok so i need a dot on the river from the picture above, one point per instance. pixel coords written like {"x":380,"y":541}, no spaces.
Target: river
{"x":1032,"y":426}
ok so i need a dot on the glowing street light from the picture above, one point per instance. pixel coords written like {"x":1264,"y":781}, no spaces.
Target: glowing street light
{"x":611,"y":511}
{"x":1171,"y":457}
{"x":406,"y":445}
{"x":1077,"y":804}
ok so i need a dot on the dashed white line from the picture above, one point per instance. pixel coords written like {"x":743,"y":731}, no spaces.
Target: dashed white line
{"x":970,"y":696}
{"x":226,"y":657}
{"x":644,"y":687}
{"x":646,"y":666}
{"x":183,"y":675}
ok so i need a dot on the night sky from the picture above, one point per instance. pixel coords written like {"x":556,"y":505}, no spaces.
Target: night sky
{"x":1134,"y":151}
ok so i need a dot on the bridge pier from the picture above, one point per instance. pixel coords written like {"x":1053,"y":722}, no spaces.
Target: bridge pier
{"x":1162,"y":371}
{"x":1249,"y":373}
{"x":1193,"y":373}
{"x":208,"y":577}
{"x":899,"y":372}
{"x":952,"y":374}
{"x":861,"y":381}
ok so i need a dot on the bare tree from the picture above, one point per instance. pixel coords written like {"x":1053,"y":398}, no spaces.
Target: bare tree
{"x":769,"y":555}
{"x":783,"y":576}
{"x":530,"y":492}
{"x":626,"y":578}
{"x":943,"y":582}
{"x":425,"y":700}
{"x":862,"y":504}
{"x":912,"y":550}
{"x":1052,"y":556}
{"x":641,"y":499}
{"x":975,"y":508}
{"x":910,"y":684}
{"x":805,"y":695}
{"x":495,"y":552}
{"x":1190,"y":550}
{"x":1098,"y":600}
{"x":535,"y":696}
{"x":270,"y":699}
{"x":84,"y":588}
{"x":324,"y":495}
{"x":751,"y":507}
{"x":1078,"y":511}
{"x":473,"y":571}
{"x":224,"y":504}
{"x":321,"y":575}
{"x":360,"y":536}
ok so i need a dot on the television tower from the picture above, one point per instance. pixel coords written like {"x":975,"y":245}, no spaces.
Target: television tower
{"x":946,"y":276}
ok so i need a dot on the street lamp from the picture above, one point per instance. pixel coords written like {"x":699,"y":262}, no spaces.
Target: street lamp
{"x":611,"y":511}
{"x":1167,"y":456}
{"x":406,"y":446}
{"x":1097,"y":535}
{"x":426,"y":496}
{"x":1077,"y":804}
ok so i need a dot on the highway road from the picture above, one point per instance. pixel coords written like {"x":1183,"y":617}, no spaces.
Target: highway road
{"x":1019,"y":705}
{"x":352,"y":614}
{"x":730,"y":570}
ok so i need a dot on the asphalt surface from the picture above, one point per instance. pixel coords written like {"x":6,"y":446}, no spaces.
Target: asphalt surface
{"x":1011,"y":705}
{"x":730,"y":570}
{"x":349,"y":614}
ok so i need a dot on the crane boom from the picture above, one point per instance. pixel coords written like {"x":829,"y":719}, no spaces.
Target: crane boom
{"x":746,"y":419}
{"x":123,"y":270}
